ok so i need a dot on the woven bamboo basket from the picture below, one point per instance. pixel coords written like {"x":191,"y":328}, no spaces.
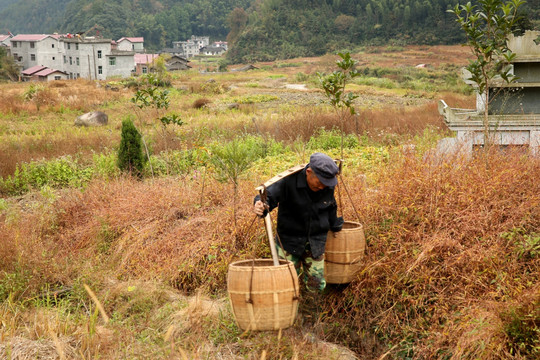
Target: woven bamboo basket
{"x":344,"y":253}
{"x":263,"y":296}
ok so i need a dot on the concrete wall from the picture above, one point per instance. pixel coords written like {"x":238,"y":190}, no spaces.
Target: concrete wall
{"x":524,"y":45}
{"x":126,"y":45}
{"x":124,"y":64}
{"x":44,"y":51}
{"x":89,"y":60}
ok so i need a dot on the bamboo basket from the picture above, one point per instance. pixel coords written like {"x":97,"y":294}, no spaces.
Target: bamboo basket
{"x":344,"y":253}
{"x":263,"y":296}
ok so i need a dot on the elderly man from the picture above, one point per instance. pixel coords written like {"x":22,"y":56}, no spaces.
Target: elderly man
{"x":307,"y":210}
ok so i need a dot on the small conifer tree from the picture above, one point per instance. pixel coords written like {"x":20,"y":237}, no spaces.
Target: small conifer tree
{"x":131,"y":158}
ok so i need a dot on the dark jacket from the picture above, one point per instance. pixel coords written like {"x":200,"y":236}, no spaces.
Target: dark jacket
{"x":304,"y":216}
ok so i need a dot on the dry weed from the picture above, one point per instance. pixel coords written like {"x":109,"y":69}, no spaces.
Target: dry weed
{"x":437,"y":250}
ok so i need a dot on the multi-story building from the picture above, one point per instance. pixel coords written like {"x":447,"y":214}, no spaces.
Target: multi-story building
{"x":77,"y":56}
{"x":191,"y":47}
{"x":93,"y":58}
{"x":36,"y":49}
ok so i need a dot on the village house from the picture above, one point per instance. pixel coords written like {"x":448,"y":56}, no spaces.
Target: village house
{"x":144,"y":63}
{"x":191,"y":47}
{"x":135,"y":44}
{"x":93,"y":58}
{"x":222,"y":44}
{"x":36,"y":49}
{"x":177,"y":63}
{"x":212,"y":50}
{"x":43,"y":73}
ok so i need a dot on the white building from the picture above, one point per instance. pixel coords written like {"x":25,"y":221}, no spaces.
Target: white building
{"x":76,"y":56}
{"x":135,"y":44}
{"x":36,"y":49}
{"x":193,"y":46}
{"x":93,"y":58}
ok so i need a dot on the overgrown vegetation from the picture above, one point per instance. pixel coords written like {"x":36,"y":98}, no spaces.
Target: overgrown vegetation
{"x":453,"y":253}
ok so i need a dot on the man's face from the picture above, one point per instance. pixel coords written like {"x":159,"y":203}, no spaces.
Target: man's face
{"x":313,"y":181}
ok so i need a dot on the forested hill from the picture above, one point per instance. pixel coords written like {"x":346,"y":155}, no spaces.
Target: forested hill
{"x":159,"y":22}
{"x":292,"y":28}
{"x":255,"y":29}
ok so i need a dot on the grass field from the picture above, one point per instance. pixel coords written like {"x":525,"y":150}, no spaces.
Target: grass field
{"x":95,"y":264}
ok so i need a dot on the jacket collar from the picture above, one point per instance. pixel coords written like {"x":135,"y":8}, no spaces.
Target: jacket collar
{"x":301,"y":181}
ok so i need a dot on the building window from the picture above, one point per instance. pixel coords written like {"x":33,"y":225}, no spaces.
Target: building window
{"x":52,"y":45}
{"x":77,"y":46}
{"x":70,"y":60}
{"x":32,"y":45}
{"x":14,"y":44}
{"x":56,"y":77}
{"x":78,"y":75}
{"x":144,"y":70}
{"x":77,"y":61}
{"x":100,"y":69}
{"x":99,"y":54}
{"x":71,"y":75}
{"x":32,"y":57}
{"x":69,"y":46}
{"x":65,"y":59}
{"x":112,"y":61}
{"x":53,"y":58}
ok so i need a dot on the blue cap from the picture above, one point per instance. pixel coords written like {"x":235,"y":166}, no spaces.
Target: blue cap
{"x":324,"y":168}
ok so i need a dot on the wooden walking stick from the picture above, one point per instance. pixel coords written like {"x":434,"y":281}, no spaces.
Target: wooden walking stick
{"x":268,"y":226}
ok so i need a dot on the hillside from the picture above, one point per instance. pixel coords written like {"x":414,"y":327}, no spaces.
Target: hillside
{"x":256,"y":30}
{"x":159,"y":22}
{"x":290,"y":28}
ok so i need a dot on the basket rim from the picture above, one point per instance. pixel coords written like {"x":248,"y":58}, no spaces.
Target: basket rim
{"x":358,"y":225}
{"x":268,"y":263}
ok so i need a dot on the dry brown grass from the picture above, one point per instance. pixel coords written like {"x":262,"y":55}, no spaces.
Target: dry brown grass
{"x":80,"y":95}
{"x":27,"y":149}
{"x":438,"y":277}
{"x":439,"y":274}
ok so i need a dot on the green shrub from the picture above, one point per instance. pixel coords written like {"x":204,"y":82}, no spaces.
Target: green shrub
{"x":131,"y":158}
{"x":13,"y":284}
{"x":105,"y":165}
{"x":56,"y":173}
{"x":331,"y":139}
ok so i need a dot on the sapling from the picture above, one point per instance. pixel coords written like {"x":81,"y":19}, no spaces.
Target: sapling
{"x":487,"y":27}
{"x":231,"y":161}
{"x":153,"y":96}
{"x":334,"y":89}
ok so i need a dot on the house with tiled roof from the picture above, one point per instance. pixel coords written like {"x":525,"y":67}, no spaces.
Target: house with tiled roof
{"x":36,"y":49}
{"x":144,"y":63}
{"x":212,"y":50}
{"x":43,"y":73}
{"x":177,"y":63}
{"x":135,"y":44}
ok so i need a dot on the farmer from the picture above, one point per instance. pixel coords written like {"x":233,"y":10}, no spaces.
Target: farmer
{"x":307,"y":210}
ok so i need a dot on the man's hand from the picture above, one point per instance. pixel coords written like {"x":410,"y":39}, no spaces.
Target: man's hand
{"x":258,"y":208}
